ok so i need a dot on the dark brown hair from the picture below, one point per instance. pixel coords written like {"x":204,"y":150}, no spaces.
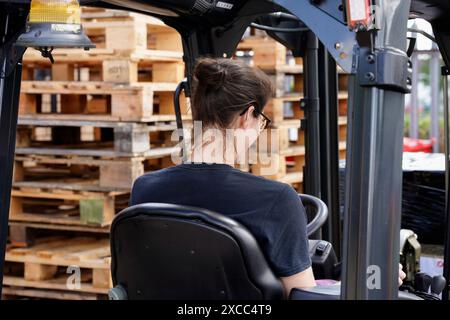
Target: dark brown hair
{"x":223,"y":88}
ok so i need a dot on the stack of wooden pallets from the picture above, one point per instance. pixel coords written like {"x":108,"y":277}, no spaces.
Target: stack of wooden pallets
{"x":287,"y":163}
{"x":89,"y":124}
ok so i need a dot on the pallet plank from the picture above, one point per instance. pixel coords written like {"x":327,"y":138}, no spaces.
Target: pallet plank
{"x":52,"y":284}
{"x":48,"y":294}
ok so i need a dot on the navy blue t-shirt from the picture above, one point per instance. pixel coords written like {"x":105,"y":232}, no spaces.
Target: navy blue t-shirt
{"x":271,"y":211}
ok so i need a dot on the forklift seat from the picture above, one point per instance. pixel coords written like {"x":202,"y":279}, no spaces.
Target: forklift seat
{"x":166,"y":251}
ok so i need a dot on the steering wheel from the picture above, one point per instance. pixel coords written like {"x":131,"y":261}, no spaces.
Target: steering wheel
{"x":320,"y":209}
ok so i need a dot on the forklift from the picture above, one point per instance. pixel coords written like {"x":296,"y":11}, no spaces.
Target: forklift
{"x":365,"y":38}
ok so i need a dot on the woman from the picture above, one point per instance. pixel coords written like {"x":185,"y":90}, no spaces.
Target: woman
{"x":230,"y":95}
{"x":228,"y":101}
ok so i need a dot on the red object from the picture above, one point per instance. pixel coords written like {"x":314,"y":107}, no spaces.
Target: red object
{"x":418,"y":145}
{"x":358,"y":13}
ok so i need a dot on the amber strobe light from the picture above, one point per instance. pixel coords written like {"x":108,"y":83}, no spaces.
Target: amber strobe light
{"x":54,"y":24}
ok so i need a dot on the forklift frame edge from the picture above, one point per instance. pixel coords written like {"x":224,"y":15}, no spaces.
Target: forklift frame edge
{"x":373,"y":173}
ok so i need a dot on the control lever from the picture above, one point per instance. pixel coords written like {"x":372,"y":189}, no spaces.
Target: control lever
{"x":422,"y":282}
{"x":438,"y":284}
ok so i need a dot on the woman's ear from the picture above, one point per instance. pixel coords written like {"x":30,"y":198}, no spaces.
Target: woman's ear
{"x":247,"y":119}
{"x":249,"y":114}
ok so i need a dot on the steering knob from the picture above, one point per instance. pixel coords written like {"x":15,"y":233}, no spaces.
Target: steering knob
{"x":438,"y":284}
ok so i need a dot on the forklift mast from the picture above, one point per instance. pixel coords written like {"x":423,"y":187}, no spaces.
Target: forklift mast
{"x":380,"y":77}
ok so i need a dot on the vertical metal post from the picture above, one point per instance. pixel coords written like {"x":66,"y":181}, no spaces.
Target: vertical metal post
{"x":329,"y":147}
{"x":414,"y":105}
{"x":374,"y":169}
{"x":311,"y":172}
{"x":446,"y":292}
{"x":9,"y":105}
{"x":311,"y":105}
{"x":434,"y":82}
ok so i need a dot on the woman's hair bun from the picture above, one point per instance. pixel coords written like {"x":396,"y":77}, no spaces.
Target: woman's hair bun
{"x":223,"y":88}
{"x":210,"y":73}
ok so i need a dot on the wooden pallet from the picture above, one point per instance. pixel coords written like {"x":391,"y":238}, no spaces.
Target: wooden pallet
{"x":100,"y":174}
{"x":130,"y":32}
{"x":267,"y":53}
{"x":287,"y":80}
{"x":24,"y":233}
{"x":286,"y":74}
{"x":122,"y":139}
{"x":155,"y":66}
{"x":276,"y":165}
{"x":65,"y":202}
{"x":285,"y":165}
{"x":50,"y":264}
{"x":128,"y":36}
{"x":138,"y":102}
{"x":290,"y":134}
{"x":94,"y":14}
{"x":271,"y":56}
{"x":288,"y":107}
{"x":24,"y":290}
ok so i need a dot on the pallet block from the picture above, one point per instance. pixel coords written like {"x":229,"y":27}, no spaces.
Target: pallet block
{"x":20,"y":236}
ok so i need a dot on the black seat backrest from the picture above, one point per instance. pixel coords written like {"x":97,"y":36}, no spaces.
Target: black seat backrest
{"x":165,"y":251}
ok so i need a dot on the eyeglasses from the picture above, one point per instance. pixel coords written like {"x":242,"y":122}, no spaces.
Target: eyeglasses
{"x":265,"y":120}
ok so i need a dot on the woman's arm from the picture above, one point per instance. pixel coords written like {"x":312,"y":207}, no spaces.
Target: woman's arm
{"x":304,"y":279}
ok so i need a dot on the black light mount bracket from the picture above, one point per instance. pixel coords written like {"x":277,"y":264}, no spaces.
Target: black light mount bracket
{"x":376,"y":69}
{"x":46,"y":52}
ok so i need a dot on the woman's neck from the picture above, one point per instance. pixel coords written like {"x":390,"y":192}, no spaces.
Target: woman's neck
{"x":214,"y":146}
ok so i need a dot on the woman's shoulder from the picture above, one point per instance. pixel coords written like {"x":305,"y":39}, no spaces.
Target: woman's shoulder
{"x":281,"y":188}
{"x":152,"y":176}
{"x":247,"y":182}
